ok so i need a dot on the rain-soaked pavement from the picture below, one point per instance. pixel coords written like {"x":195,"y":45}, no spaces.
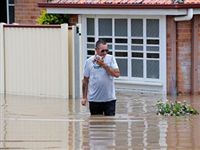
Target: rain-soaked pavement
{"x":58,"y":124}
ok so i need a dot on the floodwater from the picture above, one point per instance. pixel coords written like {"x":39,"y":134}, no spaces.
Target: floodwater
{"x":58,"y":124}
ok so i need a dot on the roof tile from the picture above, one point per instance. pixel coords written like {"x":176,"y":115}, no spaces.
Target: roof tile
{"x":163,"y":2}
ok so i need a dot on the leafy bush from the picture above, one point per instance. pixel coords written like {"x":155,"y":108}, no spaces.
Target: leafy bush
{"x":175,"y":109}
{"x":45,"y":18}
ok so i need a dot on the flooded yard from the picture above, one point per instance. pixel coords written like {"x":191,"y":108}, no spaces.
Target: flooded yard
{"x":58,"y":124}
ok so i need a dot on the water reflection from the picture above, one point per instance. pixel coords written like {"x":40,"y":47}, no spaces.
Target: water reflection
{"x":48,"y":123}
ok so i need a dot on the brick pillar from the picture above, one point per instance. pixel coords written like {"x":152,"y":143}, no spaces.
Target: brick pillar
{"x":199,"y":52}
{"x":197,"y":46}
{"x":171,"y":56}
{"x":195,"y":56}
{"x":184,"y":48}
{"x":73,"y":20}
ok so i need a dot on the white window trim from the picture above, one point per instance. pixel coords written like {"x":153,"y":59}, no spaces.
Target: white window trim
{"x":162,"y":37}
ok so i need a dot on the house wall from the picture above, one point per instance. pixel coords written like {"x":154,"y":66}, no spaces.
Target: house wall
{"x":27,"y":11}
{"x":183,"y":59}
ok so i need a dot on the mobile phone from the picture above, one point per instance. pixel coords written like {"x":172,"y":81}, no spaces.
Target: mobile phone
{"x":97,"y":57}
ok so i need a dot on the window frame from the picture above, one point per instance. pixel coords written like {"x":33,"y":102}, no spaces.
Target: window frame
{"x":162,"y":46}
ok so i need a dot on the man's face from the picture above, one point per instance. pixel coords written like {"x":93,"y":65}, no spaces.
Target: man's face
{"x":102,"y":50}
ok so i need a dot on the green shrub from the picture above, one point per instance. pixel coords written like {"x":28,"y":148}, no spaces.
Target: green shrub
{"x":45,"y":18}
{"x":175,"y":109}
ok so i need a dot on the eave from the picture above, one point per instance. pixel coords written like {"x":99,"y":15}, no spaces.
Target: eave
{"x":119,"y":6}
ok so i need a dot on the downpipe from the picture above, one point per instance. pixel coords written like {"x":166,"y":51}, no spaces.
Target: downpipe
{"x":187,"y":17}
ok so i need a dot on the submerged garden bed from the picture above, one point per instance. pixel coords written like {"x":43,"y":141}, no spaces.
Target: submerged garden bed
{"x":175,"y":109}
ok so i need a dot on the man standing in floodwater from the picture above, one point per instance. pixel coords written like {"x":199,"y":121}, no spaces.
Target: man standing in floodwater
{"x":98,"y":83}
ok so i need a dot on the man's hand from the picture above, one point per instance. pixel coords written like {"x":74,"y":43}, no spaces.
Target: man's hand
{"x":100,"y":62}
{"x":84,"y":101}
{"x":110,"y":71}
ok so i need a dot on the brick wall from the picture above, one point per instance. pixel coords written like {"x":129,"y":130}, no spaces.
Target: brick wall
{"x":73,"y":19}
{"x":183,"y":56}
{"x":27,"y":11}
{"x":184,"y":47}
{"x":198,"y":51}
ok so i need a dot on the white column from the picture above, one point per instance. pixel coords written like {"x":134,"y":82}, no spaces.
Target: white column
{"x":163,"y":65}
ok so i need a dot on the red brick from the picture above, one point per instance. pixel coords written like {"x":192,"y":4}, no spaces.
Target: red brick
{"x":27,"y":11}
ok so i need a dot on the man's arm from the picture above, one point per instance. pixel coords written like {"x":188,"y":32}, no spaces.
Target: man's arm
{"x":109,"y":70}
{"x":112,"y":72}
{"x":85,"y":82}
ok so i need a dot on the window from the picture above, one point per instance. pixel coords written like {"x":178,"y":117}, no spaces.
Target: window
{"x":135,"y":42}
{"x":10,"y":11}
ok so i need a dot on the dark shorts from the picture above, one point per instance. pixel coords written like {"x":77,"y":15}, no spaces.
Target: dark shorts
{"x":102,"y":108}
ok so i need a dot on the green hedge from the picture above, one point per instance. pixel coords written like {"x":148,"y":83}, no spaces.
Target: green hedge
{"x":45,"y":18}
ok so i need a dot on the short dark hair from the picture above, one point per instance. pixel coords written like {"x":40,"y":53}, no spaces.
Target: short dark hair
{"x":100,"y":41}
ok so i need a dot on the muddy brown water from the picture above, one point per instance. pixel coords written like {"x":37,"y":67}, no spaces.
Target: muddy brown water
{"x":58,"y":124}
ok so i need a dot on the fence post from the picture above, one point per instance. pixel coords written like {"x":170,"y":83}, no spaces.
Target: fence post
{"x":71,"y":62}
{"x":2,"y":60}
{"x":74,"y":61}
{"x":77,"y":60}
{"x":65,"y":51}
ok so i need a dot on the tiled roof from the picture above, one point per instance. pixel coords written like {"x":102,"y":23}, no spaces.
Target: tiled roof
{"x":162,"y":2}
{"x":123,"y":4}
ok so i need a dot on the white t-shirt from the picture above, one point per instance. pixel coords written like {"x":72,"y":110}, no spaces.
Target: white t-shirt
{"x":101,"y":86}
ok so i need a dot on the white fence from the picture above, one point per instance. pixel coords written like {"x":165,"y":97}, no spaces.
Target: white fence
{"x":34,"y":60}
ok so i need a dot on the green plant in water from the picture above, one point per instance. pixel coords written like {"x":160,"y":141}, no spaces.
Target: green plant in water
{"x":175,"y":109}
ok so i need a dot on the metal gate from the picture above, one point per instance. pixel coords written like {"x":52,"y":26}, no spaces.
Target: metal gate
{"x":40,"y":60}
